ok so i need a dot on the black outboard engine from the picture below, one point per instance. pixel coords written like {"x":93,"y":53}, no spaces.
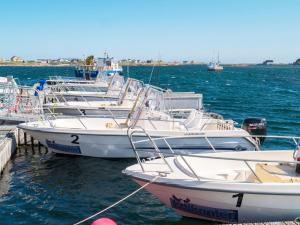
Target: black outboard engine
{"x":256,"y":126}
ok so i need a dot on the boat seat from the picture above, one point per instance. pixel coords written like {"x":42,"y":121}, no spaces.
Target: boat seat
{"x":275,"y":174}
{"x":193,"y":120}
{"x":224,"y":175}
{"x":190,"y":118}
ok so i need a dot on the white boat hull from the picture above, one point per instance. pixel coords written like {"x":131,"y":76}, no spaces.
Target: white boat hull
{"x":74,"y":98}
{"x":226,"y":207}
{"x":118,"y":145}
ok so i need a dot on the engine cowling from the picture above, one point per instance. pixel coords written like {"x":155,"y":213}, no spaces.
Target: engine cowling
{"x":256,"y":126}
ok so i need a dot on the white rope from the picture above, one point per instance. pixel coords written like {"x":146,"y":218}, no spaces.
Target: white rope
{"x":151,"y":74}
{"x":118,"y":202}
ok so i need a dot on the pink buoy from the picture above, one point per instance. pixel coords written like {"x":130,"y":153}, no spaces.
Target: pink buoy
{"x":104,"y":221}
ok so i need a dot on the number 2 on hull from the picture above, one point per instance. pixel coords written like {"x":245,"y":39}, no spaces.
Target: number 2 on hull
{"x":76,"y":138}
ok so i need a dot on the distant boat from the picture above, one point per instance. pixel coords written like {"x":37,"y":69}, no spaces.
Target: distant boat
{"x":106,"y":65}
{"x":109,"y":65}
{"x":215,"y":66}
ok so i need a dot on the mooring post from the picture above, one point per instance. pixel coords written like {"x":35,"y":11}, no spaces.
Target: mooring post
{"x":25,"y":138}
{"x":39,"y":147}
{"x":18,"y":133}
{"x":32,"y":143}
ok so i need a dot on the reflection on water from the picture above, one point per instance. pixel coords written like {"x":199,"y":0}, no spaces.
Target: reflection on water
{"x":5,"y":180}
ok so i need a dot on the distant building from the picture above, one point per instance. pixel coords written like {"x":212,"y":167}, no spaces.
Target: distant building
{"x":4,"y":60}
{"x":175,"y":63}
{"x":185,"y":62}
{"x":54,"y":61}
{"x":135,"y":61}
{"x":63,"y":60}
{"x":16,"y":59}
{"x":149,"y":61}
{"x":43,"y":61}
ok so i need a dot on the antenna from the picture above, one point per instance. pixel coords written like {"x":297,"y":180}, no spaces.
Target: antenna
{"x":128,"y":68}
{"x":152,"y":71}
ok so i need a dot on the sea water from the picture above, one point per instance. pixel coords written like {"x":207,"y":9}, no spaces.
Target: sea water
{"x":39,"y":188}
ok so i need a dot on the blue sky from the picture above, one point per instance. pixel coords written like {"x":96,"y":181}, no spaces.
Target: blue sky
{"x":242,"y":31}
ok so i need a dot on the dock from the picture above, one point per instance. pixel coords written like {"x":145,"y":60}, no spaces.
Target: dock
{"x":10,"y":138}
{"x":8,"y":144}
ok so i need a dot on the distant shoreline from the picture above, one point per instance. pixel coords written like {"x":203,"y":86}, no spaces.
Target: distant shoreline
{"x":34,"y":65}
{"x":134,"y":65}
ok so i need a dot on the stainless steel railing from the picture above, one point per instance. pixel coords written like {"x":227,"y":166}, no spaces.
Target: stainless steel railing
{"x":131,"y":132}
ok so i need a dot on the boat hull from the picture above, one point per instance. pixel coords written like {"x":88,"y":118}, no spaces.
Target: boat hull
{"x":118,"y":145}
{"x":226,"y":207}
{"x":76,"y":98}
{"x":215,"y":69}
{"x":86,"y":74}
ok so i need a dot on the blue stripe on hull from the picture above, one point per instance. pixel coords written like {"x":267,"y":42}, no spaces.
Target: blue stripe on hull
{"x":63,"y":148}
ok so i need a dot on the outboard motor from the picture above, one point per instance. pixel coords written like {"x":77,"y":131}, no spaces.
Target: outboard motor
{"x":256,"y":126}
{"x":297,"y":159}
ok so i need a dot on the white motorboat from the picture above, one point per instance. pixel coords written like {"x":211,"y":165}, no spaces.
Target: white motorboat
{"x":102,"y":80}
{"x":179,"y":104}
{"x":227,"y":187}
{"x":118,"y":108}
{"x":64,"y":84}
{"x":67,"y":93}
{"x":107,"y":137}
{"x":215,"y":66}
{"x":96,"y":86}
{"x":86,"y":91}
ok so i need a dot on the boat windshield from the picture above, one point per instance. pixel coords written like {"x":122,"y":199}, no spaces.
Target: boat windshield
{"x":102,"y":77}
{"x":116,"y":83}
{"x":130,"y":90}
{"x":150,"y":99}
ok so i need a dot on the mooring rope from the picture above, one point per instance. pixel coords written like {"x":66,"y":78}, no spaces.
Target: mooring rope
{"x":151,"y":74}
{"x":118,"y":202}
